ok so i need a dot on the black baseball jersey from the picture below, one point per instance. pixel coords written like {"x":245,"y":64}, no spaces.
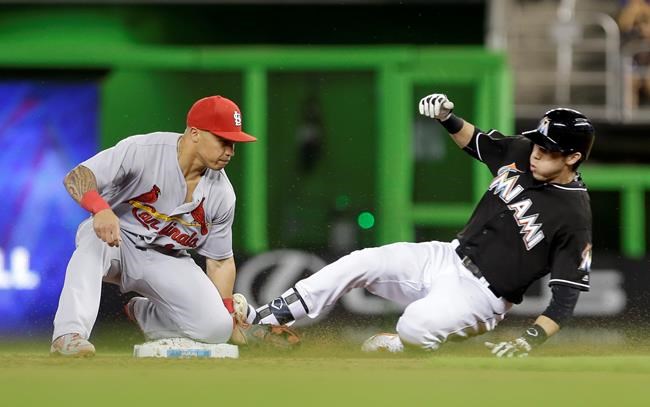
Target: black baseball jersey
{"x":522,"y":228}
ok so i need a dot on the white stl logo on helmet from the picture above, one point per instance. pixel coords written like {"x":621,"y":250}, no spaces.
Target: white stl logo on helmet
{"x":237,"y":117}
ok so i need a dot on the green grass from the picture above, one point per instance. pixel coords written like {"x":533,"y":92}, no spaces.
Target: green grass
{"x":329,"y":371}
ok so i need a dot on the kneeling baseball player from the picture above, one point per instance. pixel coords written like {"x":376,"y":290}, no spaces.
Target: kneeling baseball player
{"x":152,"y":198}
{"x":534,"y":219}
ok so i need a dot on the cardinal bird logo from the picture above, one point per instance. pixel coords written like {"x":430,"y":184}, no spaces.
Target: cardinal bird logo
{"x":148,"y":197}
{"x":198,"y":214}
{"x":144,"y":202}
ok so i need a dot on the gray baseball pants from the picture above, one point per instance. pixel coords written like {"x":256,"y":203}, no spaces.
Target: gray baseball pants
{"x":180,"y":300}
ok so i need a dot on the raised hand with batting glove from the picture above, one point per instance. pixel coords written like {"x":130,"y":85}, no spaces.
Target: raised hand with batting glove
{"x":436,"y":106}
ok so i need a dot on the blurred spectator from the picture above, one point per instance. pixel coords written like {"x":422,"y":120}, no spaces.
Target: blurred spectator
{"x":634,"y":22}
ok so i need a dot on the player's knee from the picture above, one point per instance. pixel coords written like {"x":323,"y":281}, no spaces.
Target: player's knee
{"x":415,"y":337}
{"x":415,"y":332}
{"x":212,"y":328}
{"x":215,"y":333}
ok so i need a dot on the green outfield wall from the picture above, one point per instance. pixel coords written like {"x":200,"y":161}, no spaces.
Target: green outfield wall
{"x":373,"y":153}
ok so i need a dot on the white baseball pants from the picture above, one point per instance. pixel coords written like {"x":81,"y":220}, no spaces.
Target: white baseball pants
{"x":443,"y":299}
{"x":181,"y":301}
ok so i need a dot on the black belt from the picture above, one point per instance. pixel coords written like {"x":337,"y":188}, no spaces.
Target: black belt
{"x":473,"y":268}
{"x":163,"y":250}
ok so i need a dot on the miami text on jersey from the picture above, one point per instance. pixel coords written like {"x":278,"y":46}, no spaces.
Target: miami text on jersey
{"x":506,"y":188}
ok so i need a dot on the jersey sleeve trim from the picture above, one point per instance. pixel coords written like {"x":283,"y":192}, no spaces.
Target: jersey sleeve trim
{"x":478,"y":150}
{"x":214,"y":256}
{"x":568,"y":189}
{"x":582,"y":287}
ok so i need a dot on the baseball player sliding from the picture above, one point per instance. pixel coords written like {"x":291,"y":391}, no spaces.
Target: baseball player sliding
{"x":153,"y":197}
{"x":533,"y":219}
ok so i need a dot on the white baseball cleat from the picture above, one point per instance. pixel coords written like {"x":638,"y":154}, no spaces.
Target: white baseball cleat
{"x":383,"y":342}
{"x":72,"y":345}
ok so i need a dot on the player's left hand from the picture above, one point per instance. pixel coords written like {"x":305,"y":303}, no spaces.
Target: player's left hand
{"x":509,"y":349}
{"x":436,"y":106}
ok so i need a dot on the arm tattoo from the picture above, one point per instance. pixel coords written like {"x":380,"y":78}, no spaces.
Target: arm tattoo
{"x":79,"y":181}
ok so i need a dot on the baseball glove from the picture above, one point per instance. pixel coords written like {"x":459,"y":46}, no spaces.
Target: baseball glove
{"x":273,"y":336}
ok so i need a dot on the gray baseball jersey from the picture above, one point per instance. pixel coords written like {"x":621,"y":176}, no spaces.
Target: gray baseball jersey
{"x":141,"y":180}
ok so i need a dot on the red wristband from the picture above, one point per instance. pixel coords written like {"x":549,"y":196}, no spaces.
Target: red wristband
{"x":229,"y":305}
{"x":93,"y":202}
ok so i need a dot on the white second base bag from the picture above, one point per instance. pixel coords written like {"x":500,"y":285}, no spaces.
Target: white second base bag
{"x":184,"y":348}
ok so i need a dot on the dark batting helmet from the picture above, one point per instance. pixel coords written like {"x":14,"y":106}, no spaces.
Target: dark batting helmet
{"x":564,"y":130}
